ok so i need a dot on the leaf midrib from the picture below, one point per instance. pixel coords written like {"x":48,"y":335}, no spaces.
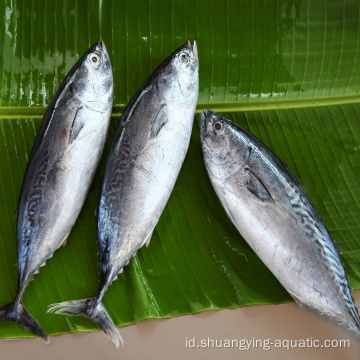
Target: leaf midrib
{"x":38,"y":112}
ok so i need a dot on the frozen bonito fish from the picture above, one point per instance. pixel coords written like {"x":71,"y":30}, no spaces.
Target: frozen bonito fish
{"x":62,"y":164}
{"x":146,"y":154}
{"x":272,"y":211}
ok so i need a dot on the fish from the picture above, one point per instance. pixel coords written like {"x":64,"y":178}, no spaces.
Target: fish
{"x":61,"y":166}
{"x":272,"y":211}
{"x":146,"y":154}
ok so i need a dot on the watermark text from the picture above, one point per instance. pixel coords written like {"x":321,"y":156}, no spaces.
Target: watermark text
{"x":265,"y":344}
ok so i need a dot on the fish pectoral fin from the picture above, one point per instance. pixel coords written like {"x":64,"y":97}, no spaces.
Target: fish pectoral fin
{"x":254,"y":184}
{"x":228,"y":212}
{"x":160,"y":120}
{"x":77,"y":125}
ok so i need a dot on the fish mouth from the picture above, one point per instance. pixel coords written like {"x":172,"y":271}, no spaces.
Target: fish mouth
{"x":194,"y":49}
{"x":103,"y":48}
{"x":99,"y":46}
{"x":96,"y":46}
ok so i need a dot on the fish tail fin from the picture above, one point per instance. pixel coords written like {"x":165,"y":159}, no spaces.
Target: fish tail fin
{"x":17,"y":313}
{"x":92,"y":309}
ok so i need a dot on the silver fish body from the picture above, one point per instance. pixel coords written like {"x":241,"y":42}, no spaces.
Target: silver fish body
{"x":272,"y":211}
{"x":61,"y":166}
{"x":147,"y":151}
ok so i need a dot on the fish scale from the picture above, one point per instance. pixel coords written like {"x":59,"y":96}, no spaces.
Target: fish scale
{"x":271,"y":209}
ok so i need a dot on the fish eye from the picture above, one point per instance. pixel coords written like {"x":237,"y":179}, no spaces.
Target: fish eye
{"x":95,"y":58}
{"x":217,"y":126}
{"x":184,"y":58}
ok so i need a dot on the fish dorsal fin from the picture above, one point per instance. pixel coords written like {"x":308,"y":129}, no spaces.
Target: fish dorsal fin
{"x":76,"y":126}
{"x":254,"y":184}
{"x":336,"y":246}
{"x":160,"y":120}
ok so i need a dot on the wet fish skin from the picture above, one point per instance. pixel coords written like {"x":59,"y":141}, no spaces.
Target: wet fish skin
{"x":60,"y":169}
{"x":272,"y":211}
{"x":146,"y":154}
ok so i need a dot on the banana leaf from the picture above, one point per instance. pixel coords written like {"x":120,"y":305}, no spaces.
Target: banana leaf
{"x":289,"y":71}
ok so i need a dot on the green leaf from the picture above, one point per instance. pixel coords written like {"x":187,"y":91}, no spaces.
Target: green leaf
{"x":286,"y":70}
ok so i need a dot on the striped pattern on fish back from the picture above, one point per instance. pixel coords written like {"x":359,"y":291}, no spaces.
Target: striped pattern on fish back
{"x":309,"y":219}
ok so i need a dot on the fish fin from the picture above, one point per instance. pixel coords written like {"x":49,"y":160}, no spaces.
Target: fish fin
{"x":160,"y":120}
{"x":336,"y":246}
{"x":92,"y":309}
{"x":63,"y":243}
{"x":17,"y":313}
{"x":254,"y":184}
{"x":76,"y":127}
{"x":228,"y":212}
{"x":275,"y":158}
{"x":147,"y":239}
{"x":297,"y":300}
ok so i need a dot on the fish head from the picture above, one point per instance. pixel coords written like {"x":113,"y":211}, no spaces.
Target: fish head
{"x":223,"y":149}
{"x":92,"y":81}
{"x":177,"y":78}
